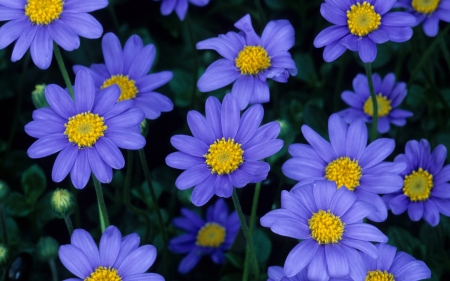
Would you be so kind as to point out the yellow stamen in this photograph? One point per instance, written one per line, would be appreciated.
(344, 172)
(128, 89)
(384, 106)
(43, 12)
(224, 156)
(362, 19)
(378, 275)
(102, 273)
(425, 6)
(85, 129)
(326, 228)
(252, 60)
(417, 185)
(211, 235)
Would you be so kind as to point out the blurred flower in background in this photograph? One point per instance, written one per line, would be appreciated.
(210, 236)
(389, 96)
(180, 6)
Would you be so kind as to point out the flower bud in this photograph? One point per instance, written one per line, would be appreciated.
(38, 96)
(144, 128)
(4, 253)
(63, 202)
(47, 248)
(4, 191)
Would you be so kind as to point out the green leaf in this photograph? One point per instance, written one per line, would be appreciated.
(263, 246)
(16, 205)
(402, 239)
(231, 277)
(305, 67)
(181, 85)
(33, 183)
(236, 260)
(316, 118)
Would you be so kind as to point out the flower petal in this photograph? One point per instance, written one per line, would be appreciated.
(219, 74)
(320, 145)
(47, 145)
(64, 162)
(112, 53)
(110, 246)
(192, 176)
(300, 256)
(64, 35)
(138, 261)
(336, 261)
(84, 241)
(84, 91)
(60, 101)
(83, 24)
(230, 117)
(75, 261)
(110, 153)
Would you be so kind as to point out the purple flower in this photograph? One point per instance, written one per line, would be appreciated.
(87, 132)
(330, 223)
(250, 60)
(35, 24)
(390, 265)
(276, 273)
(359, 26)
(347, 161)
(116, 258)
(180, 6)
(389, 95)
(210, 237)
(426, 191)
(428, 12)
(225, 149)
(128, 69)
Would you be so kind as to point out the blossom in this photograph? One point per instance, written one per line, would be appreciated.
(347, 161)
(428, 12)
(276, 273)
(426, 191)
(359, 26)
(390, 265)
(250, 60)
(86, 132)
(116, 258)
(389, 95)
(35, 24)
(180, 6)
(330, 223)
(211, 236)
(128, 69)
(225, 149)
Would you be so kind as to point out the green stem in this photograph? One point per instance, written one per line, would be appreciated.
(251, 226)
(114, 17)
(126, 194)
(62, 68)
(69, 224)
(427, 53)
(373, 133)
(53, 269)
(195, 58)
(246, 232)
(104, 220)
(157, 210)
(446, 53)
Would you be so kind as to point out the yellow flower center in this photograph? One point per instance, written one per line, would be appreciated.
(384, 106)
(252, 60)
(344, 172)
(211, 235)
(224, 156)
(85, 129)
(325, 227)
(102, 273)
(127, 86)
(43, 11)
(417, 185)
(362, 19)
(378, 275)
(425, 6)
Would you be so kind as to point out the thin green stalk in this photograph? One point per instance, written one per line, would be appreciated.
(445, 53)
(53, 269)
(427, 53)
(251, 226)
(162, 229)
(126, 194)
(195, 58)
(114, 17)
(373, 133)
(62, 68)
(69, 224)
(104, 220)
(246, 232)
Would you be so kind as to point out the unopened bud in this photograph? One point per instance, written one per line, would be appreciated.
(144, 128)
(63, 202)
(47, 248)
(4, 253)
(38, 96)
